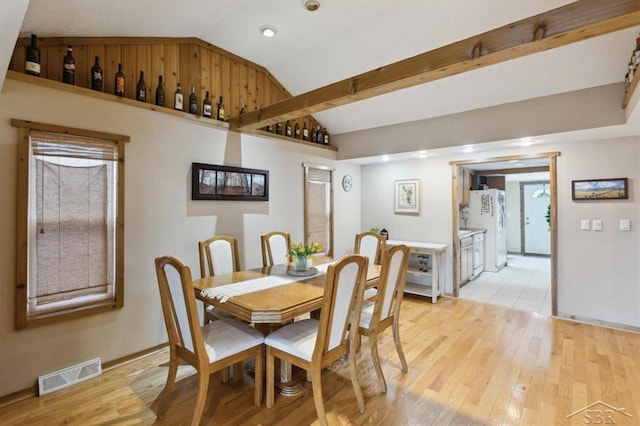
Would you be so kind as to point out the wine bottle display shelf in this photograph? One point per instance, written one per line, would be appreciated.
(148, 106)
(244, 86)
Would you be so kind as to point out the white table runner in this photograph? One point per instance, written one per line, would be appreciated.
(225, 292)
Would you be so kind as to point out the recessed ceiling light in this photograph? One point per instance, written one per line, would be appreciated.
(526, 142)
(311, 5)
(422, 154)
(268, 31)
(384, 158)
(467, 148)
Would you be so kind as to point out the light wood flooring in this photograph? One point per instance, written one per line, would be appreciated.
(469, 363)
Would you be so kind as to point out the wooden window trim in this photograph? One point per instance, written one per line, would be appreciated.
(22, 321)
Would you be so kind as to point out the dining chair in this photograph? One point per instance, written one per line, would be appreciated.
(372, 245)
(385, 311)
(218, 256)
(275, 248)
(208, 348)
(313, 344)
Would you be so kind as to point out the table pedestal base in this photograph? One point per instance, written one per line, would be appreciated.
(292, 388)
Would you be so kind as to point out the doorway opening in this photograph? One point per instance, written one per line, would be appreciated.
(481, 174)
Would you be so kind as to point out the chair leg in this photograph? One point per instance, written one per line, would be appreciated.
(258, 370)
(316, 385)
(358, 339)
(373, 348)
(168, 387)
(353, 369)
(203, 386)
(396, 340)
(270, 361)
(225, 373)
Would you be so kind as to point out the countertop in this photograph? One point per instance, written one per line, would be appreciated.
(469, 232)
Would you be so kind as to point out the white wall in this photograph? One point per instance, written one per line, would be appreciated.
(432, 224)
(598, 272)
(160, 218)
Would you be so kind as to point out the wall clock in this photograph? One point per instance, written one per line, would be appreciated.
(347, 183)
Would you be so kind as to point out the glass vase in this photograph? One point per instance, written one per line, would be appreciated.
(302, 263)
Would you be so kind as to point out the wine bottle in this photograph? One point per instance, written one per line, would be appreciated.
(296, 131)
(220, 113)
(314, 135)
(96, 76)
(320, 135)
(141, 89)
(193, 101)
(305, 132)
(178, 99)
(206, 106)
(287, 129)
(269, 128)
(160, 92)
(279, 128)
(119, 86)
(32, 63)
(325, 137)
(69, 67)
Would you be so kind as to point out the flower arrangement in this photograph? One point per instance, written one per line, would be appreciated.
(304, 250)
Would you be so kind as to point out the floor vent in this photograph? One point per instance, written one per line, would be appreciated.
(53, 381)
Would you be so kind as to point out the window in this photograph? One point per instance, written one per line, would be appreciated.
(70, 223)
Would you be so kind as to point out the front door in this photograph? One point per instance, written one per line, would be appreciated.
(536, 237)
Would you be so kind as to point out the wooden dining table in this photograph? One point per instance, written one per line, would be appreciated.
(269, 308)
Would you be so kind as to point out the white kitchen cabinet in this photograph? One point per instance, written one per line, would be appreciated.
(466, 259)
(424, 279)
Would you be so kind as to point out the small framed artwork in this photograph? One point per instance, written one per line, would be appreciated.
(599, 189)
(211, 182)
(407, 198)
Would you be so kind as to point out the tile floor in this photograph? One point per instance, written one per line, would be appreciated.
(524, 284)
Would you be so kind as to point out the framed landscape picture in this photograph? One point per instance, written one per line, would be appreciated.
(407, 199)
(599, 189)
(212, 182)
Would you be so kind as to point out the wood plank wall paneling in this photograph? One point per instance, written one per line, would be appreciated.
(188, 61)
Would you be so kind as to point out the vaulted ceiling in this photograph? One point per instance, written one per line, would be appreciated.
(345, 38)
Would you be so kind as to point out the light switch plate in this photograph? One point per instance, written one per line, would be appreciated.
(596, 224)
(625, 225)
(585, 224)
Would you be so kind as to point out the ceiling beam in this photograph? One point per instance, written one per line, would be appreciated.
(574, 22)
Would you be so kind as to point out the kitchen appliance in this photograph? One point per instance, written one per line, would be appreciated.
(487, 209)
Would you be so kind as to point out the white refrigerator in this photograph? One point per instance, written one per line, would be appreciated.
(487, 209)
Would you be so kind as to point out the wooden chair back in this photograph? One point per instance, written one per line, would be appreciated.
(371, 245)
(275, 248)
(393, 273)
(342, 302)
(179, 309)
(218, 256)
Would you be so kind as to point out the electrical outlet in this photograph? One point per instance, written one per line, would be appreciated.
(585, 224)
(596, 224)
(625, 225)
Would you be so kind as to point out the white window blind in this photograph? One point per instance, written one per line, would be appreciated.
(72, 222)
